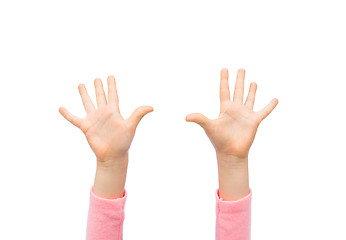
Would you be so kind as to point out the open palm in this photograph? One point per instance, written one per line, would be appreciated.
(107, 133)
(233, 132)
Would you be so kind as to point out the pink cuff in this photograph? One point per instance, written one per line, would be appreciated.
(105, 217)
(233, 218)
(99, 199)
(242, 204)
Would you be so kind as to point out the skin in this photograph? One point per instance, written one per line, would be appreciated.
(109, 136)
(233, 133)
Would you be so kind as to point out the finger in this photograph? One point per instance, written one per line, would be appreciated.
(239, 87)
(224, 88)
(138, 114)
(100, 93)
(70, 117)
(267, 109)
(112, 92)
(88, 104)
(250, 100)
(198, 118)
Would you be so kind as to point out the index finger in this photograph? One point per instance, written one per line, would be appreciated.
(112, 92)
(224, 88)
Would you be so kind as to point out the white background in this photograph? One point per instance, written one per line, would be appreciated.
(169, 55)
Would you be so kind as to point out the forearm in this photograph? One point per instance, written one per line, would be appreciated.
(107, 200)
(233, 199)
(233, 177)
(110, 178)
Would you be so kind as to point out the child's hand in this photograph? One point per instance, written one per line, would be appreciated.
(108, 134)
(232, 135)
(234, 131)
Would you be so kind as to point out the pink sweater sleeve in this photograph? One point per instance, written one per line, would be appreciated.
(105, 217)
(233, 218)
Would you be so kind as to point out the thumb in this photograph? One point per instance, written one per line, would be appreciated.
(198, 118)
(138, 114)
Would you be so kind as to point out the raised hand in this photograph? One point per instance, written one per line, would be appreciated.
(233, 132)
(107, 133)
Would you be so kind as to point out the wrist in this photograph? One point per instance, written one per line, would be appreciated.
(110, 178)
(232, 161)
(233, 177)
(119, 161)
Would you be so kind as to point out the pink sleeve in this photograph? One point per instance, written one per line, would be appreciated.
(105, 217)
(233, 218)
